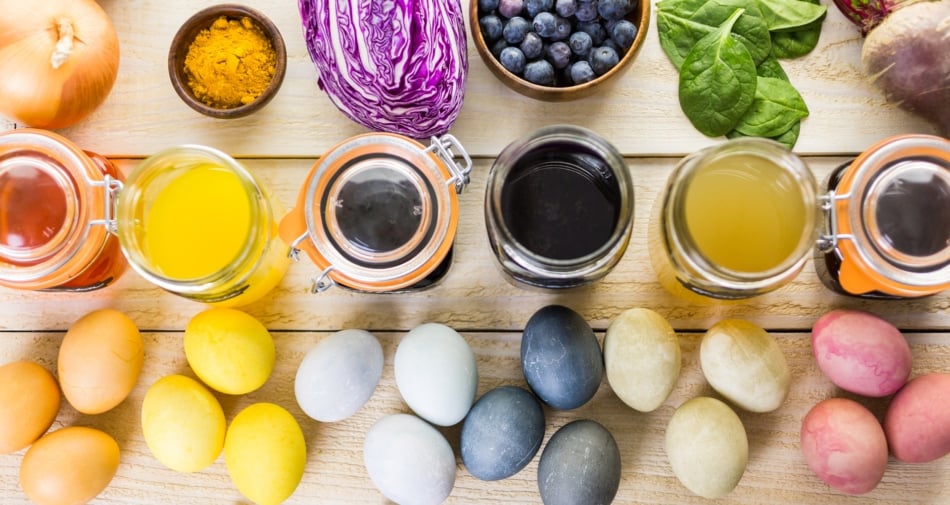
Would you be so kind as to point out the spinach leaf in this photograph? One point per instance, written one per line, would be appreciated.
(771, 68)
(789, 15)
(681, 23)
(717, 80)
(788, 139)
(777, 106)
(797, 43)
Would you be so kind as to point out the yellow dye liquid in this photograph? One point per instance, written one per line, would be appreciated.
(745, 213)
(198, 224)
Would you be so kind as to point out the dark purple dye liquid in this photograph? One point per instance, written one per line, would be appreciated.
(379, 213)
(561, 201)
(913, 213)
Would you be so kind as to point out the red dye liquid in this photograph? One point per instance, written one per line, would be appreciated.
(32, 208)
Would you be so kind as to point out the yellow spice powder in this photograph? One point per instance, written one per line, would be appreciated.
(230, 64)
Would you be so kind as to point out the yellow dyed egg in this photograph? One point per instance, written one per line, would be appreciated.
(183, 423)
(69, 466)
(265, 453)
(100, 360)
(229, 350)
(29, 402)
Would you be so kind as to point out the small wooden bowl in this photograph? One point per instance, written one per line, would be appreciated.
(640, 17)
(204, 19)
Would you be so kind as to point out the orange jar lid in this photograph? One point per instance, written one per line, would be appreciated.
(379, 211)
(892, 218)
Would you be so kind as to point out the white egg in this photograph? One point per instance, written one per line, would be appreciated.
(339, 375)
(409, 461)
(436, 373)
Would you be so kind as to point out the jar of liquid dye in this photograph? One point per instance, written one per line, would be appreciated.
(379, 212)
(195, 222)
(559, 208)
(56, 206)
(889, 221)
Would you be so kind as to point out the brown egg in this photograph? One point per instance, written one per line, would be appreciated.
(29, 402)
(100, 361)
(70, 466)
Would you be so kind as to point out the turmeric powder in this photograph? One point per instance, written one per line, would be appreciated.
(230, 64)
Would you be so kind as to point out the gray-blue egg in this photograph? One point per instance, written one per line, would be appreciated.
(502, 433)
(580, 464)
(561, 358)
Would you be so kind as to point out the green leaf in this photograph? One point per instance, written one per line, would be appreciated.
(717, 81)
(788, 139)
(797, 43)
(682, 23)
(771, 68)
(776, 108)
(789, 15)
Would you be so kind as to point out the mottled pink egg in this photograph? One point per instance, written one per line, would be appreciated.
(844, 445)
(861, 352)
(917, 422)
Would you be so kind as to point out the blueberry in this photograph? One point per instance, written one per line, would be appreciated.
(602, 59)
(613, 9)
(581, 72)
(539, 72)
(623, 33)
(545, 24)
(559, 54)
(510, 8)
(613, 45)
(487, 5)
(497, 48)
(580, 43)
(535, 7)
(596, 31)
(565, 8)
(491, 27)
(515, 29)
(532, 45)
(586, 12)
(562, 28)
(512, 59)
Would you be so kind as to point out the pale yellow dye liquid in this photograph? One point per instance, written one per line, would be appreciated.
(745, 213)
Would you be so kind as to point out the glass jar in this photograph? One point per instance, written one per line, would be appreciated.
(559, 208)
(736, 220)
(195, 222)
(55, 214)
(379, 212)
(889, 221)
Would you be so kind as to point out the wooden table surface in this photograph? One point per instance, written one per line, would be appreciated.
(638, 113)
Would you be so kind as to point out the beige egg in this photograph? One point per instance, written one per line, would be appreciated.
(100, 361)
(642, 357)
(29, 402)
(69, 466)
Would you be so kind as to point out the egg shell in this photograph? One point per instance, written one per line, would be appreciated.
(265, 453)
(436, 373)
(861, 353)
(69, 466)
(339, 375)
(409, 461)
(182, 423)
(844, 445)
(100, 361)
(743, 363)
(502, 433)
(707, 447)
(917, 422)
(229, 350)
(580, 464)
(642, 358)
(561, 358)
(29, 397)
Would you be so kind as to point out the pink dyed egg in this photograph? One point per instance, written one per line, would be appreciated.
(861, 352)
(844, 445)
(917, 422)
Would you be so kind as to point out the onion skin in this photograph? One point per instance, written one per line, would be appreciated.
(36, 94)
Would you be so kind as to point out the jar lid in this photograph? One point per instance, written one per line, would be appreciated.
(52, 199)
(379, 211)
(893, 218)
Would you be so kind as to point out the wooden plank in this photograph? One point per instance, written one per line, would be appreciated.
(335, 473)
(639, 112)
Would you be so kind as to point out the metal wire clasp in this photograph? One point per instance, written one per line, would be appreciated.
(449, 149)
(828, 239)
(111, 187)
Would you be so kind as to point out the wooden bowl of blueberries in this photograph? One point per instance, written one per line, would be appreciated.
(558, 50)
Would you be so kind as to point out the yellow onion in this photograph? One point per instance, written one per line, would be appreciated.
(58, 61)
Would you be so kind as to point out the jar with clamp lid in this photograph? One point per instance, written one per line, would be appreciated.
(379, 212)
(56, 207)
(889, 221)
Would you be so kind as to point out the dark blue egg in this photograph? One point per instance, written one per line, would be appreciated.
(580, 464)
(502, 433)
(561, 358)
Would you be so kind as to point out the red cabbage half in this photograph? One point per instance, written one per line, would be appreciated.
(396, 66)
